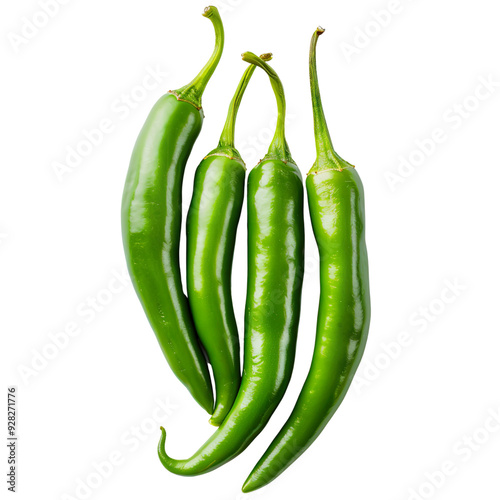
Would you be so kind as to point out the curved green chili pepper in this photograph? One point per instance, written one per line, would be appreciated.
(336, 205)
(151, 222)
(275, 271)
(212, 221)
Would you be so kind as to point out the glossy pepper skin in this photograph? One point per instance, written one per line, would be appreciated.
(151, 222)
(336, 206)
(275, 272)
(212, 222)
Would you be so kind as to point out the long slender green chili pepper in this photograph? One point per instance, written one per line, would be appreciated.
(151, 222)
(336, 205)
(212, 221)
(275, 271)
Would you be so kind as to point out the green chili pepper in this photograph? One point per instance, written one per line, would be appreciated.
(275, 271)
(336, 205)
(212, 221)
(151, 222)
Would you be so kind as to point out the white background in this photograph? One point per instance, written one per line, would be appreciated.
(60, 243)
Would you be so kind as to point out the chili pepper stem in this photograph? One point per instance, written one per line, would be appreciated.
(227, 136)
(279, 147)
(193, 91)
(325, 153)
